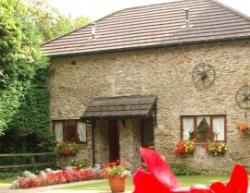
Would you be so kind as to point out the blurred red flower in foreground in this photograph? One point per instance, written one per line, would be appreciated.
(160, 179)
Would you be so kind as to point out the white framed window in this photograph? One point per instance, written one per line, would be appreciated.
(70, 131)
(188, 127)
(219, 128)
(216, 123)
(82, 132)
(58, 129)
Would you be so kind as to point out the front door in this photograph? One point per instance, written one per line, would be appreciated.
(114, 147)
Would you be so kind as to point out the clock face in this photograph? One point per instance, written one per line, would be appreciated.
(203, 75)
(243, 97)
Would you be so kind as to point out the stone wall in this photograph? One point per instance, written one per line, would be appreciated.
(85, 152)
(101, 142)
(130, 142)
(165, 72)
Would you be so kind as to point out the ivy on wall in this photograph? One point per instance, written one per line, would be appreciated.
(24, 71)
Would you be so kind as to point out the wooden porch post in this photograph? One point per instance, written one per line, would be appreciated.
(93, 142)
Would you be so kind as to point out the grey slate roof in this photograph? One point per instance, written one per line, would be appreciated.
(154, 25)
(120, 107)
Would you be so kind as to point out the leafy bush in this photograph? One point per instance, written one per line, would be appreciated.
(184, 170)
(80, 164)
(8, 174)
(15, 172)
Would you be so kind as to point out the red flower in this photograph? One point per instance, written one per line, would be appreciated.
(237, 184)
(180, 149)
(160, 179)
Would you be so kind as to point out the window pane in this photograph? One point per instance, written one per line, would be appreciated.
(70, 131)
(81, 129)
(58, 130)
(219, 128)
(188, 127)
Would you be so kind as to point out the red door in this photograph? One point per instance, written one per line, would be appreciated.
(114, 147)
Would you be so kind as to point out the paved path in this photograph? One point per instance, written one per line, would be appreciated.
(54, 189)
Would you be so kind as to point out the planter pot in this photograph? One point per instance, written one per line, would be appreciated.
(117, 183)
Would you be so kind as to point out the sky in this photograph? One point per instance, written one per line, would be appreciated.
(96, 9)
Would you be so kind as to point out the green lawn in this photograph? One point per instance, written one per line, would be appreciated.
(184, 180)
(7, 181)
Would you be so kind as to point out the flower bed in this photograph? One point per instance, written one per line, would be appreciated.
(49, 177)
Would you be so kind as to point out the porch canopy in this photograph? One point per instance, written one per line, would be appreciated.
(121, 107)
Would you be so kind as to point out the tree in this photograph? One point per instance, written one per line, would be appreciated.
(24, 71)
(24, 104)
(50, 22)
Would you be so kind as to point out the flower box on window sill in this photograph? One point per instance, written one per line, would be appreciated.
(67, 149)
(185, 148)
(67, 153)
(216, 148)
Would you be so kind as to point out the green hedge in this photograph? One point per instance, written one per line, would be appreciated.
(184, 170)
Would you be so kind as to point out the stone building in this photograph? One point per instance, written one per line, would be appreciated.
(147, 76)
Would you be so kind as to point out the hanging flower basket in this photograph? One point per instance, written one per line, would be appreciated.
(243, 128)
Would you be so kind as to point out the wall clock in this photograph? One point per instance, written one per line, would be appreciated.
(203, 75)
(243, 97)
